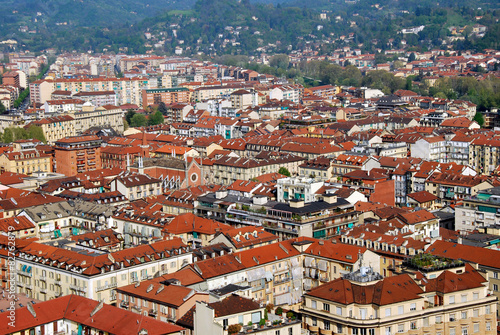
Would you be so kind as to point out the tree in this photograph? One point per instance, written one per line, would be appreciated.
(412, 57)
(479, 118)
(162, 108)
(284, 171)
(130, 114)
(138, 120)
(125, 125)
(156, 118)
(36, 132)
(3, 110)
(280, 61)
(8, 136)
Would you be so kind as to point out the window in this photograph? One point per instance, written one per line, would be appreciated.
(401, 310)
(464, 315)
(326, 307)
(413, 325)
(476, 328)
(339, 328)
(401, 328)
(290, 331)
(495, 274)
(313, 304)
(452, 299)
(475, 313)
(413, 307)
(452, 317)
(464, 297)
(487, 310)
(465, 330)
(339, 310)
(388, 331)
(326, 325)
(439, 319)
(314, 321)
(488, 326)
(277, 332)
(225, 323)
(452, 331)
(495, 287)
(387, 312)
(475, 296)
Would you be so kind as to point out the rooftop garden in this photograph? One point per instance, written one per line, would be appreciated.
(428, 262)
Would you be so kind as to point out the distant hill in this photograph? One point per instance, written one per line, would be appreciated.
(236, 26)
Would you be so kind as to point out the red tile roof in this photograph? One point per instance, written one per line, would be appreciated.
(79, 309)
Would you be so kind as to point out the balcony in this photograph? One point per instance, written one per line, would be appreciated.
(77, 288)
(105, 287)
(43, 278)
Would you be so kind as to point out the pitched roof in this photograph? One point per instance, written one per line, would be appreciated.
(481, 256)
(80, 310)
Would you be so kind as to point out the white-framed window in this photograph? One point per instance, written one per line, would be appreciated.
(452, 299)
(339, 310)
(401, 310)
(476, 328)
(465, 330)
(387, 312)
(464, 297)
(401, 328)
(452, 331)
(413, 307)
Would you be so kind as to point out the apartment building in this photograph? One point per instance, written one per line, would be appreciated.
(137, 186)
(228, 169)
(168, 96)
(104, 116)
(45, 272)
(25, 161)
(279, 273)
(163, 300)
(73, 314)
(486, 259)
(481, 210)
(78, 154)
(98, 98)
(128, 90)
(455, 301)
(56, 127)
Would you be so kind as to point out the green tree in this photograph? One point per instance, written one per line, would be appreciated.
(125, 125)
(284, 171)
(479, 118)
(138, 120)
(280, 61)
(3, 110)
(155, 118)
(162, 108)
(129, 115)
(8, 136)
(36, 132)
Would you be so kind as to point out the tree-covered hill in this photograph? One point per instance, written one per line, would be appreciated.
(216, 27)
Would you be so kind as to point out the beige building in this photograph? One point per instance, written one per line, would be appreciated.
(105, 116)
(128, 90)
(227, 170)
(45, 272)
(57, 127)
(451, 302)
(25, 162)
